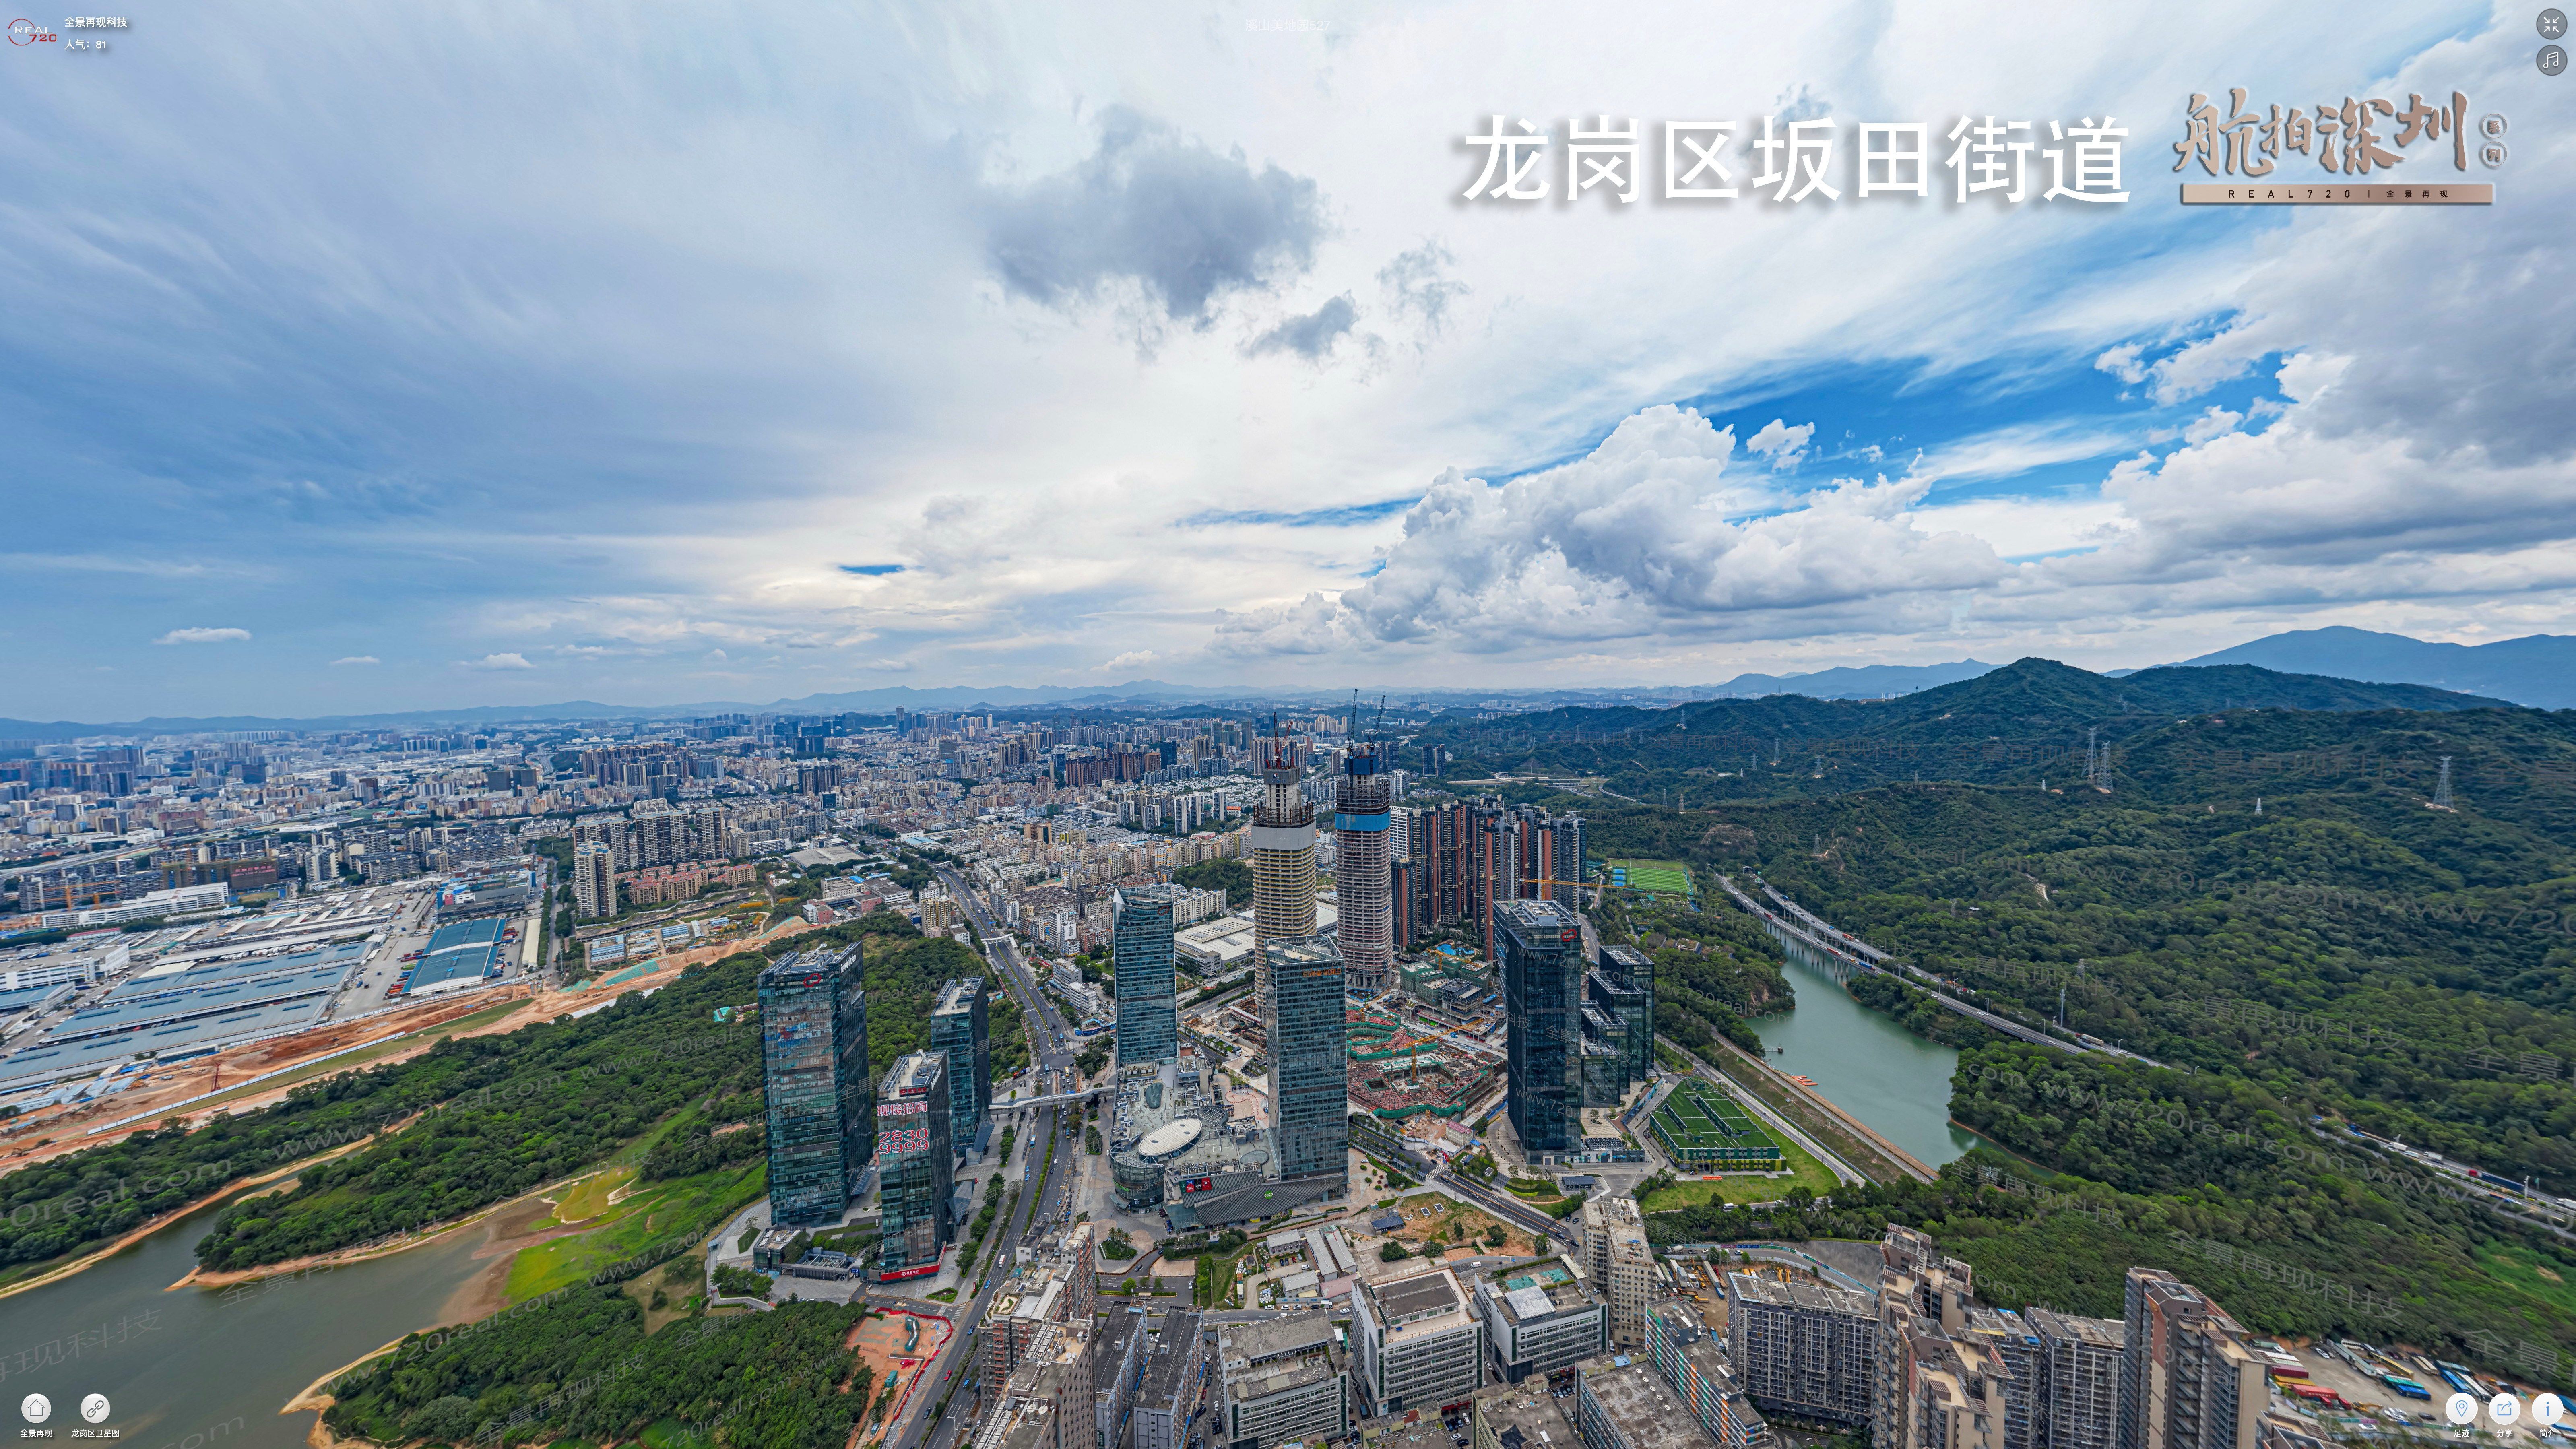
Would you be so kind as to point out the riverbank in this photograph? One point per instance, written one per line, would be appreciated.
(369, 1252)
(1867, 1067)
(145, 1230)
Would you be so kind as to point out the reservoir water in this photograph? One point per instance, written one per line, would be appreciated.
(177, 1364)
(1865, 1063)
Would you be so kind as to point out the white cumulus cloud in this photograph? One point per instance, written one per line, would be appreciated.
(356, 659)
(202, 636)
(496, 662)
(1645, 536)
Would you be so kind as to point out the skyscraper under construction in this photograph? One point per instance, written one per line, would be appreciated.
(1283, 857)
(1362, 868)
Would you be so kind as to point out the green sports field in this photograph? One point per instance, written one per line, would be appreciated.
(1662, 877)
(1698, 1125)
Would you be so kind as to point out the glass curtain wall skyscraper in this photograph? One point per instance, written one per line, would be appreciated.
(918, 1158)
(1540, 946)
(1363, 883)
(1140, 956)
(958, 1027)
(814, 1069)
(1309, 1070)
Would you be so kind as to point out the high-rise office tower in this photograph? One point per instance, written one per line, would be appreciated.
(814, 1070)
(1309, 1070)
(958, 1027)
(1140, 955)
(594, 879)
(1283, 856)
(1624, 987)
(2187, 1380)
(1539, 947)
(916, 1159)
(1363, 881)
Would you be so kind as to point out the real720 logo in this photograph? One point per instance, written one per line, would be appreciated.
(27, 32)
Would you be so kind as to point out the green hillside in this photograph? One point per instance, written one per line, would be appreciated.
(2259, 894)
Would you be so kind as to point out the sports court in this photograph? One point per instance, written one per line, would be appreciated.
(1699, 1126)
(1660, 877)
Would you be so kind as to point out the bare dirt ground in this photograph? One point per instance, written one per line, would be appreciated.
(60, 1130)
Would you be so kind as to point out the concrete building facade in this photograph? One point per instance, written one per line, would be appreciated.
(2079, 1379)
(1679, 1346)
(1541, 1317)
(1806, 1349)
(1285, 1380)
(1416, 1341)
(1363, 867)
(1622, 1265)
(2187, 1379)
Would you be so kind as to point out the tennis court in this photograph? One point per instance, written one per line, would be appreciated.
(1663, 877)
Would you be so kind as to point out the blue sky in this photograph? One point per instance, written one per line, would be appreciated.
(389, 361)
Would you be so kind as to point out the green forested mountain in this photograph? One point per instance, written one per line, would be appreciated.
(2263, 897)
(2030, 718)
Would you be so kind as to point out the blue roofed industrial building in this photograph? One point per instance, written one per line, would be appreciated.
(460, 956)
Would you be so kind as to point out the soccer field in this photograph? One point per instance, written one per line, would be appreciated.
(1663, 877)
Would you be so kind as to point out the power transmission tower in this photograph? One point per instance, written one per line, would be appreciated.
(2442, 788)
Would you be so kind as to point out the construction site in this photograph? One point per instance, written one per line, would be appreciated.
(1399, 1072)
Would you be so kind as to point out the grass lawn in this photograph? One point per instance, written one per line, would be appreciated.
(588, 1198)
(1806, 1172)
(648, 1215)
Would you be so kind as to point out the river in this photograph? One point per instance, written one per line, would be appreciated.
(176, 1365)
(1865, 1063)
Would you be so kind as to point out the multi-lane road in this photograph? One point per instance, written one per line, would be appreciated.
(1042, 1200)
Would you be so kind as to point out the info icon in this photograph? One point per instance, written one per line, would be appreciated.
(37, 1408)
(2461, 1409)
(2547, 1410)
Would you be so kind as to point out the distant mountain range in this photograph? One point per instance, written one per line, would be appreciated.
(2016, 702)
(1864, 681)
(2538, 669)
